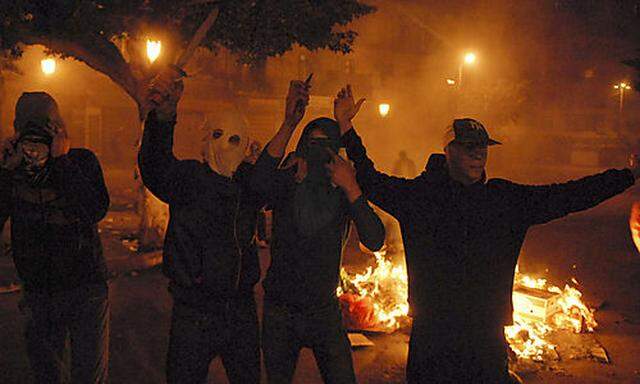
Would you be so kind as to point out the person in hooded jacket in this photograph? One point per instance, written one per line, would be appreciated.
(314, 198)
(210, 256)
(55, 196)
(462, 235)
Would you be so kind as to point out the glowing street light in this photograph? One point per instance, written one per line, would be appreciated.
(622, 86)
(451, 82)
(154, 47)
(469, 59)
(48, 66)
(383, 109)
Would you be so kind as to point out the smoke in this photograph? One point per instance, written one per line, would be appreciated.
(541, 83)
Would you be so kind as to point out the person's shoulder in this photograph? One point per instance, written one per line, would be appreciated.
(81, 154)
(499, 183)
(193, 167)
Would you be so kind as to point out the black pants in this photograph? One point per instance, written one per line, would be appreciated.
(198, 336)
(71, 325)
(286, 332)
(435, 358)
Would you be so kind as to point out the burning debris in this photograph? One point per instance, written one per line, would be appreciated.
(540, 308)
(376, 300)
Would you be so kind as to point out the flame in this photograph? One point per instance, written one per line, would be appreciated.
(385, 286)
(526, 337)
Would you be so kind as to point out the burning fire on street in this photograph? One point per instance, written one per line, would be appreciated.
(376, 300)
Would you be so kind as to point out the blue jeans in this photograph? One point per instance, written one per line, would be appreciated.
(71, 325)
(286, 331)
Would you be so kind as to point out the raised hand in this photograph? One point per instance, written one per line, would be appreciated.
(11, 153)
(345, 109)
(297, 101)
(163, 93)
(60, 144)
(343, 175)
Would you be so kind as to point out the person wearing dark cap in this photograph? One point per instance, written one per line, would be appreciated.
(462, 235)
(314, 197)
(55, 196)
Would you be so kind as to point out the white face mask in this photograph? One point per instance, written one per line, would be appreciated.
(226, 142)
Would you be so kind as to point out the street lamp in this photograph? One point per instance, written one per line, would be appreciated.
(48, 66)
(451, 82)
(469, 59)
(383, 109)
(154, 47)
(622, 86)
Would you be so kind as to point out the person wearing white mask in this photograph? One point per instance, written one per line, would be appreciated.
(210, 256)
(226, 141)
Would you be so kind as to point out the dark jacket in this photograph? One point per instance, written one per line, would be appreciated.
(54, 234)
(462, 242)
(209, 249)
(305, 270)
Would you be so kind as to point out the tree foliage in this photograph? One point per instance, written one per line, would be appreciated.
(90, 31)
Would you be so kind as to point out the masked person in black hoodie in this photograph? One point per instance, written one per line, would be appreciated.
(314, 198)
(210, 255)
(55, 197)
(462, 235)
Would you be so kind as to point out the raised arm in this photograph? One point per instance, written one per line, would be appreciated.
(540, 204)
(266, 178)
(388, 192)
(162, 173)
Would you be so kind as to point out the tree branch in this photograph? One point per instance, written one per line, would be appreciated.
(99, 54)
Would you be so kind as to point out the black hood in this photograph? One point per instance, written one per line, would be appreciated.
(330, 128)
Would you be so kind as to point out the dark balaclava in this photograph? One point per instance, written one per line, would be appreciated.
(317, 202)
(35, 114)
(315, 151)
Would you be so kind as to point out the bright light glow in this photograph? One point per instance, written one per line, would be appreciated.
(48, 66)
(153, 49)
(622, 85)
(383, 109)
(470, 58)
(451, 82)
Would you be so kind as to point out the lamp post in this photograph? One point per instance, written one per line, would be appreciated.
(621, 87)
(154, 48)
(469, 58)
(48, 66)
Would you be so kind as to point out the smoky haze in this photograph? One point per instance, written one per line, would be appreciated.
(542, 83)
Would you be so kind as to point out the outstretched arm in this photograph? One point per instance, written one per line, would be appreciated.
(388, 192)
(540, 204)
(265, 178)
